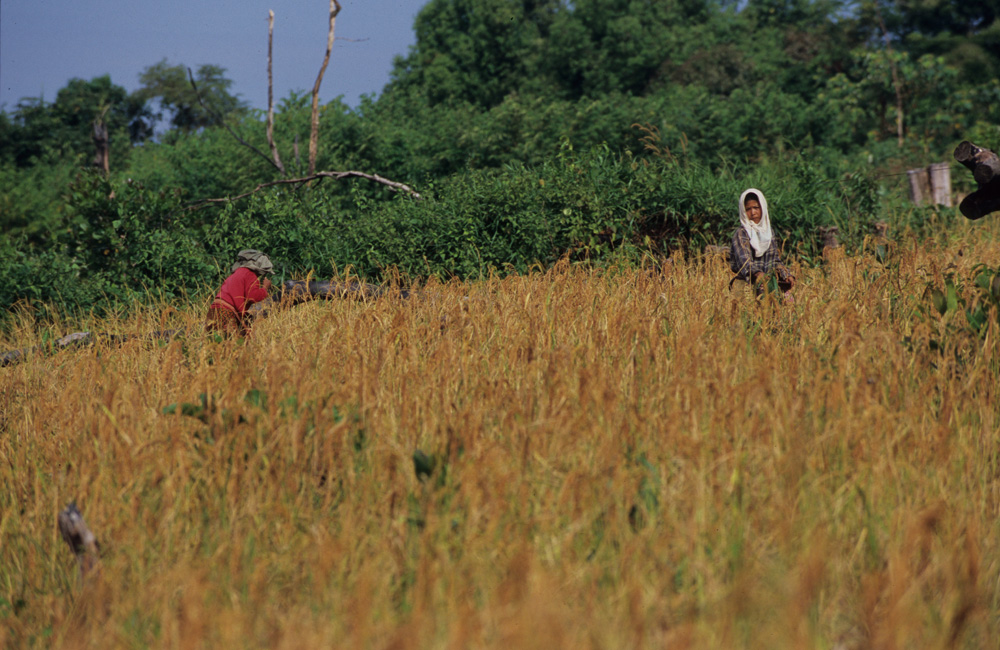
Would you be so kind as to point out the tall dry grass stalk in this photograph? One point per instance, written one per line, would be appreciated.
(630, 459)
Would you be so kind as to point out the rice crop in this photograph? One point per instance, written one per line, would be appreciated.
(574, 458)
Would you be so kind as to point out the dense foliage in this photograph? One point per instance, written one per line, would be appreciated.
(533, 129)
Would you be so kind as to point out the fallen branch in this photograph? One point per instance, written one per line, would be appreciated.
(81, 540)
(392, 185)
(220, 120)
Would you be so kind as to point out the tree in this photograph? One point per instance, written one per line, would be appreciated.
(64, 127)
(170, 87)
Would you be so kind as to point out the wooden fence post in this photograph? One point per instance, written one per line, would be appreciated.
(930, 185)
(81, 540)
(920, 186)
(940, 175)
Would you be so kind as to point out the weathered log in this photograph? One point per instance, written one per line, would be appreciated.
(983, 163)
(81, 540)
(985, 167)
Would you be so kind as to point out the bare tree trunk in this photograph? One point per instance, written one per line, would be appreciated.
(895, 79)
(102, 141)
(314, 127)
(270, 96)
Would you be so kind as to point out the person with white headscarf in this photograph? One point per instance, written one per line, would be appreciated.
(754, 253)
(242, 288)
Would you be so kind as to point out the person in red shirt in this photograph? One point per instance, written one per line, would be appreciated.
(248, 283)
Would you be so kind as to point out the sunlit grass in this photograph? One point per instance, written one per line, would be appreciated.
(630, 458)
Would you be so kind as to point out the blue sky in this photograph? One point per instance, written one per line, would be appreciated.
(45, 43)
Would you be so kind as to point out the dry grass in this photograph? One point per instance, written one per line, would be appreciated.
(633, 459)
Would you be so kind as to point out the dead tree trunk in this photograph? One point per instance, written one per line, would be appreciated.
(314, 123)
(270, 97)
(985, 168)
(896, 85)
(101, 145)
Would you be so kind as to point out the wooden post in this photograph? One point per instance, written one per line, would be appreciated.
(940, 177)
(81, 541)
(920, 186)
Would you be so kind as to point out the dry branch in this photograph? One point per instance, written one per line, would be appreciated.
(392, 185)
(314, 123)
(270, 96)
(221, 121)
(81, 540)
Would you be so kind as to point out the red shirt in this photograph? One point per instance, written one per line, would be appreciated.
(241, 289)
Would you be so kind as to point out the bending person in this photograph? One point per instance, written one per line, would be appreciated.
(247, 284)
(753, 254)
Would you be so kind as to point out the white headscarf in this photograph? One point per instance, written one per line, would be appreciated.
(760, 233)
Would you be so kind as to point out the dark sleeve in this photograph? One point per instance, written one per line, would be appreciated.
(772, 261)
(741, 255)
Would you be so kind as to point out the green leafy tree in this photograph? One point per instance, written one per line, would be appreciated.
(37, 129)
(170, 86)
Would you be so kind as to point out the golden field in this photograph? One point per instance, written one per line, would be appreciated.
(624, 458)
